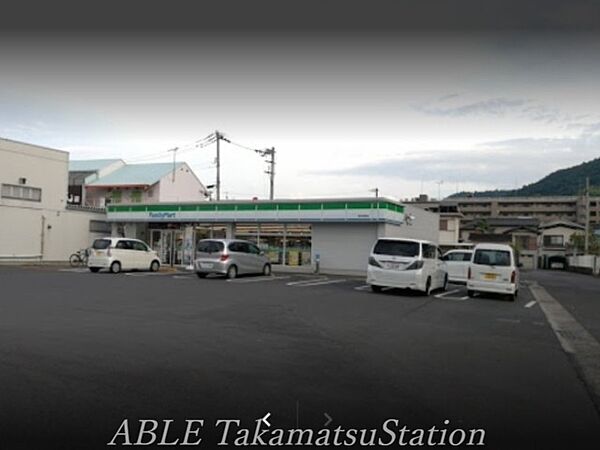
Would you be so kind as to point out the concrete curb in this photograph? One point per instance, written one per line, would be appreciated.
(576, 341)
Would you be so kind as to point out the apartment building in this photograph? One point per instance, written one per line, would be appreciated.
(546, 209)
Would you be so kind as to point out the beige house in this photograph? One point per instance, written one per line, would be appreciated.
(554, 241)
(449, 219)
(104, 182)
(521, 233)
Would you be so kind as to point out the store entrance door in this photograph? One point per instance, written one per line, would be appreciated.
(169, 246)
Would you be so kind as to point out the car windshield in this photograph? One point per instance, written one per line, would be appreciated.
(396, 248)
(101, 244)
(210, 247)
(492, 257)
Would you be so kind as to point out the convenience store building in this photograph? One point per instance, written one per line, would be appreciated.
(338, 233)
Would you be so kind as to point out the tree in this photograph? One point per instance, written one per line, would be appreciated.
(482, 226)
(577, 242)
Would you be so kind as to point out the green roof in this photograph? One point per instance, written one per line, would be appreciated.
(136, 174)
(90, 165)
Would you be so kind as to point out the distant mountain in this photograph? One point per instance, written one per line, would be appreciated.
(570, 181)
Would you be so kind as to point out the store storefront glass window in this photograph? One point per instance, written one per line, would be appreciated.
(248, 232)
(271, 241)
(298, 245)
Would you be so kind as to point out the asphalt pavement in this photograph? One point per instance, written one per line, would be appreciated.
(79, 352)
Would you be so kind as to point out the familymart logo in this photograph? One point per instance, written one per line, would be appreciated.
(162, 215)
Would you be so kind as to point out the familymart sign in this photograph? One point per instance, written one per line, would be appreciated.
(262, 211)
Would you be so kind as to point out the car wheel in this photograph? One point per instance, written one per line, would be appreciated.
(155, 266)
(267, 270)
(115, 267)
(427, 290)
(470, 293)
(375, 288)
(94, 269)
(232, 272)
(512, 297)
(201, 275)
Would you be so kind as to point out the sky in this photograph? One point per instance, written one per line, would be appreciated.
(407, 113)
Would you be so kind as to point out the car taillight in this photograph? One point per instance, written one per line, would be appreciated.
(469, 274)
(224, 257)
(415, 266)
(513, 276)
(373, 262)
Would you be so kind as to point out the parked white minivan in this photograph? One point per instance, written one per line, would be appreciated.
(493, 268)
(117, 254)
(406, 263)
(457, 264)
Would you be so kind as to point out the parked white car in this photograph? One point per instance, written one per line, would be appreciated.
(117, 254)
(493, 268)
(457, 264)
(406, 263)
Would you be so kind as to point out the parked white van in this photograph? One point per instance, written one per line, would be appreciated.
(493, 268)
(457, 265)
(116, 254)
(406, 263)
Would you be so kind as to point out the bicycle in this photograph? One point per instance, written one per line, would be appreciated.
(79, 258)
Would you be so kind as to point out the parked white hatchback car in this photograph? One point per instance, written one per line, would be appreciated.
(406, 263)
(457, 264)
(117, 254)
(493, 268)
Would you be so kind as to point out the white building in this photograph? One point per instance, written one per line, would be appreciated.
(35, 220)
(450, 219)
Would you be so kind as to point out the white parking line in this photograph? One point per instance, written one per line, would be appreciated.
(80, 270)
(148, 274)
(443, 294)
(257, 280)
(530, 304)
(455, 299)
(363, 288)
(294, 283)
(502, 319)
(319, 283)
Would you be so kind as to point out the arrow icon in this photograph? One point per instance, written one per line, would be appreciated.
(329, 419)
(265, 421)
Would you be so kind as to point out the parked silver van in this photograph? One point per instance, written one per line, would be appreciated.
(230, 257)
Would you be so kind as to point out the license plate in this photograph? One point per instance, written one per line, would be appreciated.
(206, 265)
(489, 276)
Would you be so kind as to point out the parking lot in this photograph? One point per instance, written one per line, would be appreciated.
(79, 352)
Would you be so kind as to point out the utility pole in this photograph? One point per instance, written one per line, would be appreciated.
(174, 150)
(271, 170)
(218, 163)
(439, 183)
(587, 215)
